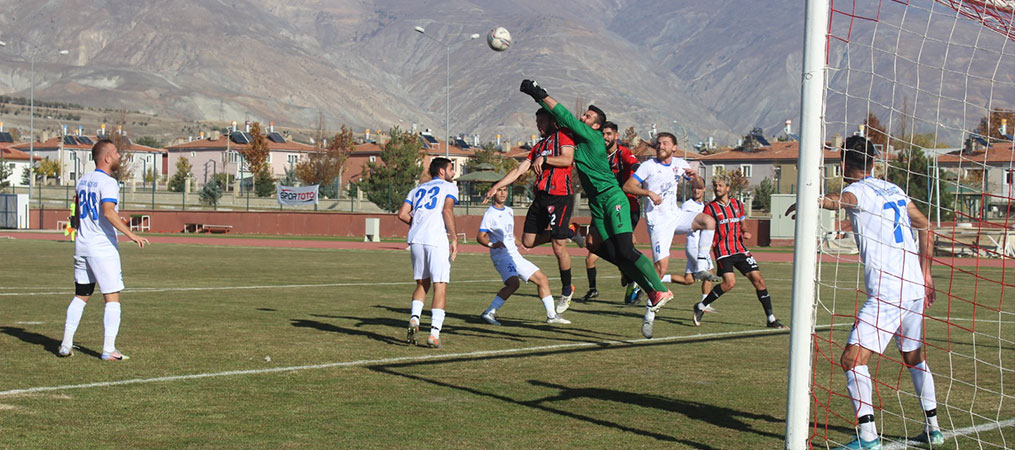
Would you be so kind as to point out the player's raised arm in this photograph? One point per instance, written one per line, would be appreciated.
(109, 212)
(508, 179)
(562, 116)
(565, 159)
(920, 223)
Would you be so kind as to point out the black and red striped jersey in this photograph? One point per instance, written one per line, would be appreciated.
(553, 180)
(729, 229)
(623, 163)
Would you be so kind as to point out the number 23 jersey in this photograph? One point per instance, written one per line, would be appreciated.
(427, 201)
(885, 239)
(96, 236)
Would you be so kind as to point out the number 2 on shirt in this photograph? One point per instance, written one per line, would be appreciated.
(432, 200)
(897, 230)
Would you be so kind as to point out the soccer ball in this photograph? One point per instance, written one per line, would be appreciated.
(499, 39)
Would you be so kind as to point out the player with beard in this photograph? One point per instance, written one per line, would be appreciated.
(96, 254)
(611, 230)
(551, 161)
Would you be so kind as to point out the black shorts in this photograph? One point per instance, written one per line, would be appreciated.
(549, 210)
(743, 262)
(635, 216)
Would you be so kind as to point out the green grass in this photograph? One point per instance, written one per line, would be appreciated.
(193, 309)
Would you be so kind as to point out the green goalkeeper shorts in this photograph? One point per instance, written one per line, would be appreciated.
(611, 213)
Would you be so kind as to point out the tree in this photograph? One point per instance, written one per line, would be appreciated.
(211, 192)
(910, 171)
(264, 183)
(489, 154)
(989, 125)
(875, 132)
(179, 179)
(49, 168)
(738, 182)
(256, 156)
(388, 181)
(5, 172)
(322, 168)
(149, 141)
(763, 194)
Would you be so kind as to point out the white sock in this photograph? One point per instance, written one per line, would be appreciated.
(111, 322)
(436, 320)
(495, 304)
(705, 244)
(416, 309)
(859, 388)
(700, 305)
(667, 278)
(74, 311)
(703, 297)
(770, 317)
(548, 304)
(924, 385)
(650, 315)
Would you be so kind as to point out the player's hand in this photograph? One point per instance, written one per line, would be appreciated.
(498, 244)
(690, 173)
(487, 197)
(142, 242)
(746, 234)
(538, 165)
(530, 88)
(455, 250)
(655, 198)
(929, 290)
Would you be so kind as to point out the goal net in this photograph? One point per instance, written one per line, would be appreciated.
(931, 84)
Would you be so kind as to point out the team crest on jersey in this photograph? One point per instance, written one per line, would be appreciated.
(550, 209)
(617, 207)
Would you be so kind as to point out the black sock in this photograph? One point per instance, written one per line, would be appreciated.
(763, 298)
(566, 281)
(591, 275)
(713, 295)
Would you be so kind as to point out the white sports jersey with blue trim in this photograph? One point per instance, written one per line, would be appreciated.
(661, 179)
(96, 236)
(885, 239)
(428, 200)
(499, 224)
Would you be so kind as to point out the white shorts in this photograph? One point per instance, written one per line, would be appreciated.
(877, 322)
(513, 265)
(661, 233)
(104, 270)
(431, 261)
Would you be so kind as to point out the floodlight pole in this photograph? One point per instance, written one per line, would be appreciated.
(448, 82)
(806, 226)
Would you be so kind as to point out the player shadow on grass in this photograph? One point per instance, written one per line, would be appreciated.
(583, 334)
(304, 323)
(47, 343)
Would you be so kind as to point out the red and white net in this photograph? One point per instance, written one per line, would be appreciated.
(931, 83)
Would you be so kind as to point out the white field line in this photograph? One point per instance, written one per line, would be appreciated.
(374, 362)
(951, 434)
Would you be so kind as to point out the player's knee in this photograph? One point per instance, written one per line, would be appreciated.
(728, 284)
(84, 290)
(512, 284)
(913, 357)
(853, 356)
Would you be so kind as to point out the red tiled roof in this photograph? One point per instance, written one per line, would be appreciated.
(221, 144)
(437, 150)
(999, 152)
(778, 151)
(54, 143)
(15, 154)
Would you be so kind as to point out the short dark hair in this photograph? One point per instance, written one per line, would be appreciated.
(673, 139)
(601, 117)
(858, 153)
(437, 164)
(609, 124)
(542, 112)
(97, 148)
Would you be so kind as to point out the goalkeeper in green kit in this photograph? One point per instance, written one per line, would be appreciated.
(611, 225)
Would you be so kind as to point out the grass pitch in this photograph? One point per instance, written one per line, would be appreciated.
(257, 347)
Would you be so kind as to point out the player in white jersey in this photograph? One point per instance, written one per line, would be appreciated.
(429, 212)
(897, 279)
(96, 256)
(497, 231)
(658, 179)
(693, 205)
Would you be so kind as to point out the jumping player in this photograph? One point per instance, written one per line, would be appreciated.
(730, 252)
(497, 233)
(623, 163)
(610, 237)
(429, 211)
(551, 162)
(96, 254)
(897, 279)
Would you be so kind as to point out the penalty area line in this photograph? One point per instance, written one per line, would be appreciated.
(375, 362)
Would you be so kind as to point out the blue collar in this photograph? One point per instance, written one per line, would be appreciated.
(100, 170)
(661, 162)
(499, 209)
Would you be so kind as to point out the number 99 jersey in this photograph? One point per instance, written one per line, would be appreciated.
(96, 236)
(427, 201)
(885, 239)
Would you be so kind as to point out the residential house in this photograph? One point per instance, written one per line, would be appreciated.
(17, 161)
(222, 154)
(371, 152)
(74, 152)
(989, 166)
(777, 161)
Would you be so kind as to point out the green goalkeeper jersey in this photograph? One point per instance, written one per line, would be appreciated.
(590, 153)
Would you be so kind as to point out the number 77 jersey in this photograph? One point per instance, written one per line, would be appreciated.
(427, 201)
(96, 236)
(885, 239)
